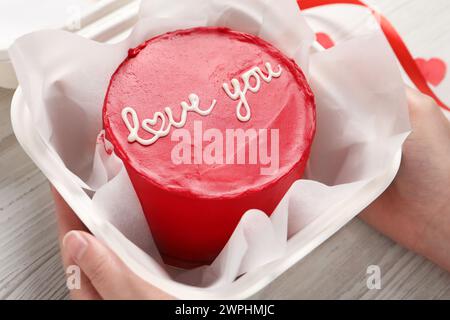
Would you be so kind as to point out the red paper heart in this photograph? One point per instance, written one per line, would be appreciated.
(324, 40)
(433, 70)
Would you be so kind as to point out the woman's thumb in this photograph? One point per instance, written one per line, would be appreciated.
(108, 274)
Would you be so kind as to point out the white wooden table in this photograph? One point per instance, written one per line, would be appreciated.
(30, 265)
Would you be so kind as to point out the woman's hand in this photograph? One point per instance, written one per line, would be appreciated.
(415, 210)
(103, 274)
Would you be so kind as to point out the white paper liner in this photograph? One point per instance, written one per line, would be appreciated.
(362, 121)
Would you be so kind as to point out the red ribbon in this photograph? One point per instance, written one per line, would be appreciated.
(401, 51)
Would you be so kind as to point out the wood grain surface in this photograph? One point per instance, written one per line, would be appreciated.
(30, 266)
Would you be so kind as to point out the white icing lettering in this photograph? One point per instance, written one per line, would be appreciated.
(166, 119)
(162, 121)
(238, 93)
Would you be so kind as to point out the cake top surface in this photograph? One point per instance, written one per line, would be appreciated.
(209, 111)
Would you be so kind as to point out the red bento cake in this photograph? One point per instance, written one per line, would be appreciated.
(209, 123)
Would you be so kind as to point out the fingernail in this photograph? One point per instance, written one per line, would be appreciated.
(75, 244)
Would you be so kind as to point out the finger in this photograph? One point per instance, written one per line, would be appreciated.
(67, 221)
(430, 130)
(85, 290)
(66, 218)
(424, 111)
(108, 274)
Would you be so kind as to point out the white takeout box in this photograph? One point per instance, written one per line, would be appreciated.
(101, 20)
(298, 246)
